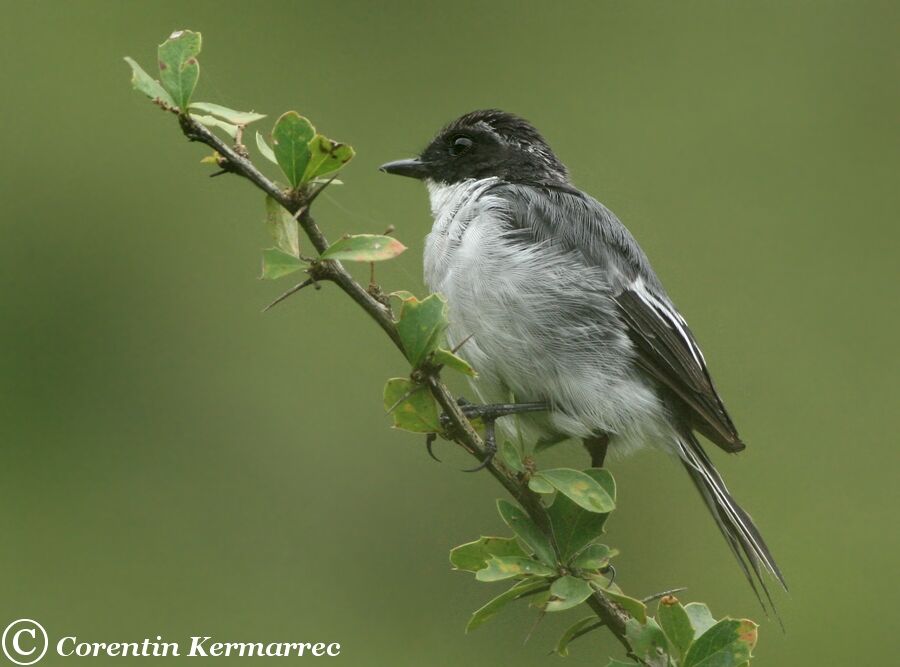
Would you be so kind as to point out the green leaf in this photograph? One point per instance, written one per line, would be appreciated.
(634, 607)
(580, 487)
(511, 456)
(290, 141)
(567, 592)
(411, 406)
(574, 527)
(421, 326)
(178, 66)
(282, 227)
(701, 617)
(676, 623)
(648, 642)
(474, 556)
(144, 83)
(620, 663)
(507, 567)
(265, 149)
(540, 485)
(212, 121)
(726, 644)
(493, 607)
(593, 557)
(450, 360)
(364, 248)
(232, 116)
(277, 263)
(576, 630)
(527, 531)
(326, 156)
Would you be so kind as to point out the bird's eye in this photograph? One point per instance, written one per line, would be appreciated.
(460, 145)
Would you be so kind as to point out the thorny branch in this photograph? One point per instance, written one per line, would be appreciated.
(461, 430)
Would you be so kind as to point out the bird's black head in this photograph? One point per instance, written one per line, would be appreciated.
(482, 144)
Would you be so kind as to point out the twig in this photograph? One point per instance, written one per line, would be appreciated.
(297, 203)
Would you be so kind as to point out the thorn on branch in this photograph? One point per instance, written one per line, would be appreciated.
(296, 288)
(662, 594)
(463, 342)
(315, 193)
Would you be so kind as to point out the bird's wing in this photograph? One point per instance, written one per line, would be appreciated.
(665, 347)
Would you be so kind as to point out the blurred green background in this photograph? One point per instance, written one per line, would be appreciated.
(173, 462)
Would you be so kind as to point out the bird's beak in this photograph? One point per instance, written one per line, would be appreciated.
(414, 168)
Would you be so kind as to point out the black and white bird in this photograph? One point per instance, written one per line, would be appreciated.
(557, 303)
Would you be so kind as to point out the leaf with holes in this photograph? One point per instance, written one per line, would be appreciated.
(178, 66)
(290, 143)
(143, 82)
(277, 264)
(421, 326)
(411, 406)
(364, 248)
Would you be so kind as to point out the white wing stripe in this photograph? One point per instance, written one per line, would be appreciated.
(670, 316)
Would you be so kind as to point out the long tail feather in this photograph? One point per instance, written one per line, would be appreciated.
(736, 525)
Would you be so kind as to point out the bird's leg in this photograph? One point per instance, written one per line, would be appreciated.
(493, 411)
(488, 414)
(596, 447)
(490, 446)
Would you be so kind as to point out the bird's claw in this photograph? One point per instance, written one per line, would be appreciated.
(606, 570)
(429, 444)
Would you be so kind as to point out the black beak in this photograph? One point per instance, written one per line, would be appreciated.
(414, 168)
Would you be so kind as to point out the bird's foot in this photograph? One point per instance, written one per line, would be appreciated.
(488, 414)
(490, 447)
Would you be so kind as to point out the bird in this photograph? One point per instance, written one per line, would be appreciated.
(553, 301)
